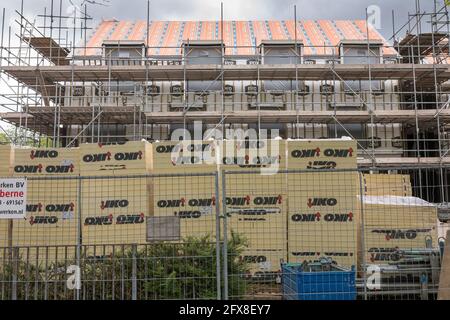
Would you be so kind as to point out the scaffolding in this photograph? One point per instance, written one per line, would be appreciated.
(62, 91)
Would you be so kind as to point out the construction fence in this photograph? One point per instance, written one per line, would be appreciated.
(224, 235)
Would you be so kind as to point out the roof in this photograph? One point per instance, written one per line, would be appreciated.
(165, 38)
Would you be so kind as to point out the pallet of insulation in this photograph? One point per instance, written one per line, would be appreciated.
(322, 217)
(394, 222)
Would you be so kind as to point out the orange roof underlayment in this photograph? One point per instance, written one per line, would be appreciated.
(320, 37)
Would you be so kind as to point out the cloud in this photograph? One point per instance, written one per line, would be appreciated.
(239, 9)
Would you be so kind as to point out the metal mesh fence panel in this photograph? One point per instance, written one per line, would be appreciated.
(293, 234)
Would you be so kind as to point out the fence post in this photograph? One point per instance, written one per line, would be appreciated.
(133, 273)
(79, 238)
(217, 196)
(15, 257)
(363, 243)
(225, 237)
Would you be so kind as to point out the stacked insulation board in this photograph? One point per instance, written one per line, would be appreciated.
(301, 215)
(322, 217)
(52, 205)
(183, 199)
(395, 222)
(387, 184)
(321, 154)
(6, 160)
(115, 192)
(256, 201)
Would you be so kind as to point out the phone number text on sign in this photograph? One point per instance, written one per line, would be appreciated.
(13, 198)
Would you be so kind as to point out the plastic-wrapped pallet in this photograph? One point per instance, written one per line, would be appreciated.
(394, 222)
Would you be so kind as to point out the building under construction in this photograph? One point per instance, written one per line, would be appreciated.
(308, 79)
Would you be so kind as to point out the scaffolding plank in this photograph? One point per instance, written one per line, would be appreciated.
(315, 72)
(49, 49)
(396, 162)
(288, 116)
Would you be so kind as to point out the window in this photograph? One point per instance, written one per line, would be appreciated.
(352, 87)
(327, 89)
(361, 55)
(356, 131)
(124, 54)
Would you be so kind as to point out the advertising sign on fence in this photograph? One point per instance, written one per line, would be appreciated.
(13, 198)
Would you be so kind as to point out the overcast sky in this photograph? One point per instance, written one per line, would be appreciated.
(235, 9)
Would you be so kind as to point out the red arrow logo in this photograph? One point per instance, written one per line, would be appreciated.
(318, 151)
(280, 198)
(350, 216)
(350, 151)
(318, 215)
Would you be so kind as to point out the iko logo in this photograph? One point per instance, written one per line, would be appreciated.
(338, 254)
(254, 259)
(401, 234)
(331, 153)
(188, 214)
(99, 221)
(321, 165)
(111, 204)
(43, 220)
(384, 254)
(130, 219)
(45, 154)
(316, 217)
(305, 254)
(321, 202)
(254, 212)
(250, 145)
(246, 162)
